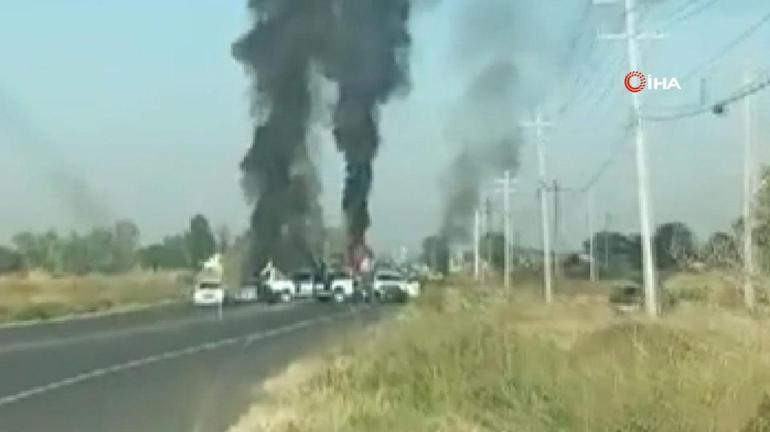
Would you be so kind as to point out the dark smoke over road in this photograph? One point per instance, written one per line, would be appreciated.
(359, 45)
(368, 62)
(278, 52)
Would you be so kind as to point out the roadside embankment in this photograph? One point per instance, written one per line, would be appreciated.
(472, 359)
(36, 296)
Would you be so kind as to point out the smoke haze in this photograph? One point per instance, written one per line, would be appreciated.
(75, 195)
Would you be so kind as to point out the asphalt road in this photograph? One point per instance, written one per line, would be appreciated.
(171, 369)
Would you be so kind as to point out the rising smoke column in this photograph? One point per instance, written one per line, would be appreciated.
(368, 62)
(491, 145)
(362, 47)
(277, 171)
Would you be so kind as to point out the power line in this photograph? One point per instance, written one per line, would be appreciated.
(697, 9)
(617, 146)
(610, 77)
(729, 47)
(581, 77)
(716, 108)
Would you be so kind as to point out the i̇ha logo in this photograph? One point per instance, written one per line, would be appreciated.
(635, 82)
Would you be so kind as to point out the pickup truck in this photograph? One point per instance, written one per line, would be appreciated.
(338, 287)
(389, 285)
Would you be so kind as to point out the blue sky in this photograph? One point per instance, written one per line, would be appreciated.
(142, 101)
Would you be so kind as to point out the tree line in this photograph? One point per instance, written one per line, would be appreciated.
(675, 245)
(112, 250)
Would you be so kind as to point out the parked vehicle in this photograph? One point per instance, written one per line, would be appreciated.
(248, 293)
(307, 283)
(389, 285)
(275, 286)
(339, 287)
(209, 293)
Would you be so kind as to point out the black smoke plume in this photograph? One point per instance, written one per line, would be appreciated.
(484, 121)
(369, 63)
(359, 45)
(277, 172)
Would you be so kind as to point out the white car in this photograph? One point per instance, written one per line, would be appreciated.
(340, 287)
(209, 293)
(392, 285)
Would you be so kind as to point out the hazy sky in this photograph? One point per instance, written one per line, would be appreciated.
(136, 109)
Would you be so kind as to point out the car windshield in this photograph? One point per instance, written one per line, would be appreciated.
(209, 286)
(389, 277)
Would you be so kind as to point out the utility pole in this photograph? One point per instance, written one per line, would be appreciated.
(606, 240)
(748, 219)
(476, 243)
(540, 125)
(556, 233)
(507, 229)
(591, 247)
(632, 37)
(485, 230)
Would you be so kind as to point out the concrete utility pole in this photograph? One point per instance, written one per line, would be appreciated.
(507, 189)
(485, 210)
(748, 217)
(507, 230)
(540, 125)
(606, 240)
(632, 37)
(591, 246)
(556, 230)
(476, 244)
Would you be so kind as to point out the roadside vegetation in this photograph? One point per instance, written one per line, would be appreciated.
(467, 358)
(49, 274)
(39, 296)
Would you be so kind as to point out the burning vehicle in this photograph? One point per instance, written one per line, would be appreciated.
(337, 285)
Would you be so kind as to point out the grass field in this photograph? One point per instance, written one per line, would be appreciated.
(39, 296)
(471, 359)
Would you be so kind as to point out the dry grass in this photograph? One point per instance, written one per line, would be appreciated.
(39, 296)
(463, 360)
(720, 289)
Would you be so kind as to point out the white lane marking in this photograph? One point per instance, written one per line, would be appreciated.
(111, 334)
(133, 364)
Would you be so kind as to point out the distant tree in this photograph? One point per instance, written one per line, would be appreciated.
(171, 253)
(761, 231)
(674, 245)
(78, 252)
(200, 240)
(27, 245)
(152, 257)
(10, 260)
(616, 254)
(721, 250)
(40, 251)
